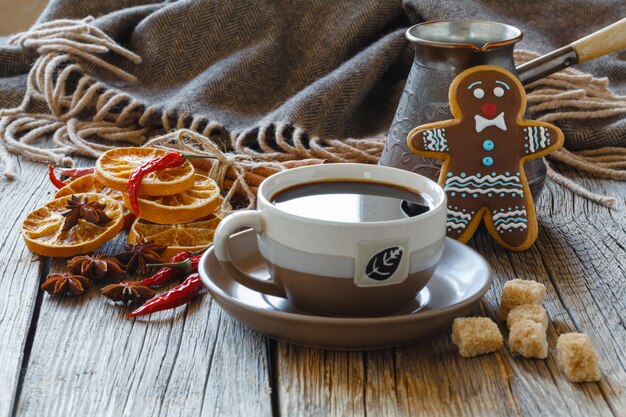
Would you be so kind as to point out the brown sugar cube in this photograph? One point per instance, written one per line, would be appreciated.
(517, 292)
(528, 338)
(531, 312)
(475, 336)
(577, 358)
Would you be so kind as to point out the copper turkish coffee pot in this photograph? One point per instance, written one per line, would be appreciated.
(445, 48)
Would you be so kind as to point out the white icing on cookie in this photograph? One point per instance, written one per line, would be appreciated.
(482, 123)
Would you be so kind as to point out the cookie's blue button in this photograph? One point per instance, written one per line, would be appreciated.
(488, 145)
(487, 161)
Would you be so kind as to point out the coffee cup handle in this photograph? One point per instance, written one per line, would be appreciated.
(227, 227)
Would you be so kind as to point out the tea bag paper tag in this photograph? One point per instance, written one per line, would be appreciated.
(380, 263)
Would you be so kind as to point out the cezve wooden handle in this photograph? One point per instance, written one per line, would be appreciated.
(610, 39)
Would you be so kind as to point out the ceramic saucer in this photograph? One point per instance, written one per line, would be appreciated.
(459, 282)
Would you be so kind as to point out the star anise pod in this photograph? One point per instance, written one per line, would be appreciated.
(95, 266)
(128, 292)
(79, 208)
(137, 256)
(65, 284)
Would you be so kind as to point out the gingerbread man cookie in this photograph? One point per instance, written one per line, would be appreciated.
(484, 149)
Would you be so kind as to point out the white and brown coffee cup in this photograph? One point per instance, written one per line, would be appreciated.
(360, 268)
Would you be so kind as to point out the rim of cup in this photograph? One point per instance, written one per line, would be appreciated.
(435, 191)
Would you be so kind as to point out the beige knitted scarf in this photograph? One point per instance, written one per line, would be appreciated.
(84, 115)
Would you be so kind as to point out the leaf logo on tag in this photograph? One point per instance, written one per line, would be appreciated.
(382, 265)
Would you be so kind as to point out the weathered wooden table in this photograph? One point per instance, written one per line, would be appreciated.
(80, 357)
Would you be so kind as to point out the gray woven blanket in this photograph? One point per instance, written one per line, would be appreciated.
(241, 71)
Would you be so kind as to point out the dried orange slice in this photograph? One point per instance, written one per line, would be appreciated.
(178, 238)
(114, 167)
(43, 234)
(90, 184)
(199, 201)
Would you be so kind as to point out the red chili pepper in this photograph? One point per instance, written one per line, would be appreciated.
(169, 160)
(173, 298)
(166, 273)
(183, 263)
(53, 178)
(76, 172)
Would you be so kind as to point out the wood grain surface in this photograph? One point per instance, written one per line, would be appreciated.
(81, 357)
(20, 272)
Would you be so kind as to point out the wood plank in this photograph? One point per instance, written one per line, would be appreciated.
(20, 271)
(314, 382)
(586, 260)
(437, 381)
(87, 359)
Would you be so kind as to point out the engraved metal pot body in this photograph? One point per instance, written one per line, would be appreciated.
(442, 50)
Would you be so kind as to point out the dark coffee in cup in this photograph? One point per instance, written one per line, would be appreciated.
(352, 201)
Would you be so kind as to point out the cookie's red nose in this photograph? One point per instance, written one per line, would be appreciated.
(489, 109)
